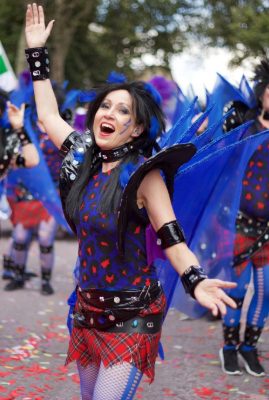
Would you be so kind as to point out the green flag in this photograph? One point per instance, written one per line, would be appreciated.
(8, 79)
(3, 67)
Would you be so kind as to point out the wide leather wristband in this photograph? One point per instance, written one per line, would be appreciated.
(38, 60)
(170, 234)
(20, 161)
(191, 277)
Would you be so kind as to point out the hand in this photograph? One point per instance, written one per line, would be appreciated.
(35, 30)
(15, 115)
(210, 295)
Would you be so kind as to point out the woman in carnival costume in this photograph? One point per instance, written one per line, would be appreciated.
(29, 214)
(119, 311)
(16, 149)
(251, 246)
(16, 152)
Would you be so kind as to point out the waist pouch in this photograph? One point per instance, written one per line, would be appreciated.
(110, 310)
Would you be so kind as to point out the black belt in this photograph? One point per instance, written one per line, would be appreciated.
(254, 228)
(148, 324)
(250, 226)
(121, 299)
(116, 307)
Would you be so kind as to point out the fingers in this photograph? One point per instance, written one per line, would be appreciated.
(221, 306)
(214, 310)
(35, 13)
(221, 302)
(49, 27)
(223, 284)
(22, 107)
(29, 15)
(228, 300)
(11, 107)
(41, 15)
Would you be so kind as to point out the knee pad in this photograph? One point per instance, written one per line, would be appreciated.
(19, 246)
(46, 249)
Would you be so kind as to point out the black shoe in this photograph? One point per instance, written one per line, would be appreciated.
(14, 284)
(7, 275)
(46, 289)
(251, 362)
(229, 362)
(27, 275)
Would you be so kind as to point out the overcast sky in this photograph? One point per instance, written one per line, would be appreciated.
(199, 67)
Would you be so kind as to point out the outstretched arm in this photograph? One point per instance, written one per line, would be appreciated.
(47, 108)
(154, 196)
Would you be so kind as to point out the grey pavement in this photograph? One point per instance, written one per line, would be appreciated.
(34, 339)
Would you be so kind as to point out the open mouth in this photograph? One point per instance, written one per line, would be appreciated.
(107, 128)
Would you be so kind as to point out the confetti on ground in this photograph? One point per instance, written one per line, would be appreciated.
(33, 345)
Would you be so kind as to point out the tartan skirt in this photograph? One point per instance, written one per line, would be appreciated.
(29, 213)
(139, 349)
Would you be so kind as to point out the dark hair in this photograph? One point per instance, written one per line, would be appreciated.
(2, 144)
(261, 79)
(3, 101)
(148, 113)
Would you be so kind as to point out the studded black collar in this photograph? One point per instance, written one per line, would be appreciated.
(117, 153)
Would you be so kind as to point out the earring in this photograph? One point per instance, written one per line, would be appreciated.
(136, 131)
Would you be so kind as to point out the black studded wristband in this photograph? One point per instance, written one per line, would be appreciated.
(38, 60)
(169, 234)
(20, 161)
(191, 277)
(23, 136)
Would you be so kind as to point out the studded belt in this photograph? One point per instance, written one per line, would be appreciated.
(148, 324)
(103, 309)
(251, 227)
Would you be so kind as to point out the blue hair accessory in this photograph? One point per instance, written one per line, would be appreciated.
(154, 128)
(87, 96)
(116, 77)
(154, 93)
(125, 173)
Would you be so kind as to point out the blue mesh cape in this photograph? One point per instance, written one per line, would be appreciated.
(42, 189)
(31, 178)
(38, 180)
(222, 93)
(206, 200)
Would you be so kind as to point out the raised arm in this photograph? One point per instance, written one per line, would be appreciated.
(153, 195)
(47, 108)
(29, 155)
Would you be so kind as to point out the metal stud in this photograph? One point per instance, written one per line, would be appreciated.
(134, 323)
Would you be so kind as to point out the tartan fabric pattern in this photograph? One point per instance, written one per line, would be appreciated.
(259, 259)
(29, 213)
(91, 345)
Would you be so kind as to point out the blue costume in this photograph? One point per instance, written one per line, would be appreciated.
(251, 247)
